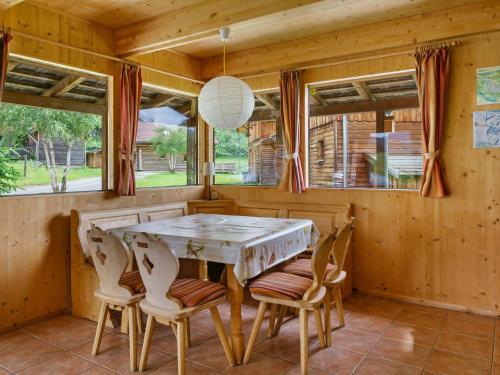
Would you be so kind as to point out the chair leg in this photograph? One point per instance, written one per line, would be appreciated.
(281, 316)
(304, 342)
(138, 314)
(146, 346)
(214, 311)
(187, 333)
(181, 347)
(255, 331)
(132, 334)
(272, 320)
(319, 327)
(338, 306)
(124, 323)
(328, 319)
(100, 328)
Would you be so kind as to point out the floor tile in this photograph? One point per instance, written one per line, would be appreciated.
(334, 361)
(99, 371)
(468, 327)
(121, 363)
(474, 318)
(260, 364)
(401, 351)
(420, 319)
(4, 371)
(170, 368)
(285, 346)
(417, 335)
(111, 346)
(355, 341)
(27, 352)
(367, 323)
(64, 364)
(168, 343)
(378, 310)
(209, 354)
(377, 366)
(63, 331)
(466, 345)
(12, 340)
(426, 309)
(456, 364)
(496, 369)
(295, 370)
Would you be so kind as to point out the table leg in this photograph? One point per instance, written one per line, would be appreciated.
(235, 296)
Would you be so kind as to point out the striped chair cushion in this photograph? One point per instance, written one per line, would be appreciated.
(281, 285)
(132, 280)
(302, 267)
(194, 292)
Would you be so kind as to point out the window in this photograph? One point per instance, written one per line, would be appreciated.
(167, 139)
(365, 133)
(51, 129)
(252, 154)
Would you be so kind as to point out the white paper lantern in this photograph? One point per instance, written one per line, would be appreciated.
(226, 102)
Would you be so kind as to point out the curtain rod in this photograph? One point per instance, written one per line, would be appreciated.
(358, 59)
(104, 56)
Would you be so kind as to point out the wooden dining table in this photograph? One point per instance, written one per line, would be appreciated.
(246, 245)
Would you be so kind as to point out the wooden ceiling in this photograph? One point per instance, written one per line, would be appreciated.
(114, 13)
(190, 26)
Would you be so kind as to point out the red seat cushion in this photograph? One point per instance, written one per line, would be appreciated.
(194, 292)
(281, 285)
(133, 281)
(302, 267)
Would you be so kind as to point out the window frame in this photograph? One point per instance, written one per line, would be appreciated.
(107, 139)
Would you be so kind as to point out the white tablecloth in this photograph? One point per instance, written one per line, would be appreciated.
(252, 244)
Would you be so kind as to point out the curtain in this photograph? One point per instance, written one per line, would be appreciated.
(293, 178)
(5, 39)
(432, 72)
(130, 104)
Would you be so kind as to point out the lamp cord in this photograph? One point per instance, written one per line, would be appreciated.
(224, 59)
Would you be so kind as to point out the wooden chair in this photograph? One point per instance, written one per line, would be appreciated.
(118, 290)
(289, 290)
(172, 301)
(334, 278)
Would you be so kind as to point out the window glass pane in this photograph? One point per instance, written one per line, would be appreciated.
(166, 147)
(51, 147)
(352, 147)
(252, 154)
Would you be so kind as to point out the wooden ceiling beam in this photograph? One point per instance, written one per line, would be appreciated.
(158, 101)
(268, 101)
(405, 32)
(388, 104)
(63, 86)
(52, 102)
(363, 91)
(5, 4)
(194, 23)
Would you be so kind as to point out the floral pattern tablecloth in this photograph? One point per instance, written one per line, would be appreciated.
(252, 244)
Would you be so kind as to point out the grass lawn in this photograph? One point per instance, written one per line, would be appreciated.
(39, 175)
(180, 179)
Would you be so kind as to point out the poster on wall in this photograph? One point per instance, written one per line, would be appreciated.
(486, 129)
(488, 85)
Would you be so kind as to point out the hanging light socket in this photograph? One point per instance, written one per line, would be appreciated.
(224, 34)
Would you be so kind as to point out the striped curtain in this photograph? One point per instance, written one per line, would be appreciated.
(293, 178)
(5, 39)
(130, 104)
(432, 71)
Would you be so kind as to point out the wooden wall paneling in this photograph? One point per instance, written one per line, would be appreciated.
(220, 207)
(35, 234)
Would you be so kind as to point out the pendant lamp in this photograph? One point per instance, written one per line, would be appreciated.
(226, 101)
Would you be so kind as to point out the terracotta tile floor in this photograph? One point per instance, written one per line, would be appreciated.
(381, 337)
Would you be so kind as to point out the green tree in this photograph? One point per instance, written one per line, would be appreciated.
(8, 175)
(17, 122)
(168, 143)
(230, 143)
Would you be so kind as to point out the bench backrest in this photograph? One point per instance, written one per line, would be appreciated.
(107, 219)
